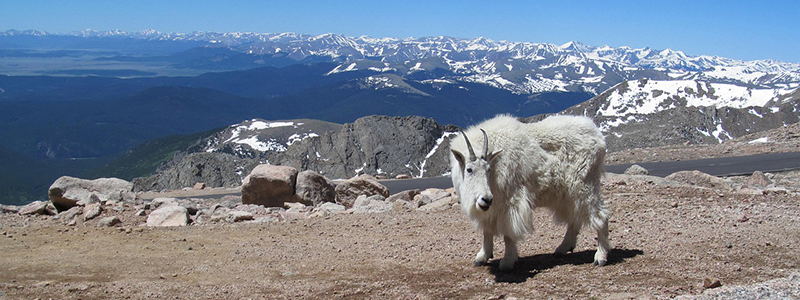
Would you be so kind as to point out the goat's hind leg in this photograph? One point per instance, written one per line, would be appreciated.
(599, 221)
(486, 249)
(570, 240)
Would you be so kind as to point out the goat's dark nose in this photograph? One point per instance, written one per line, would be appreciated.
(487, 200)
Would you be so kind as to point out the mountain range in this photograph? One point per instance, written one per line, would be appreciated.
(75, 102)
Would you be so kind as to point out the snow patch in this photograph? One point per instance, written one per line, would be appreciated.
(759, 140)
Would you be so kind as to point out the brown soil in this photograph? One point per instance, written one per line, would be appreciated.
(667, 240)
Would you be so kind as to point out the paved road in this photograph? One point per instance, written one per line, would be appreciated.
(727, 166)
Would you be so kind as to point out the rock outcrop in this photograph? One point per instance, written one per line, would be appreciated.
(378, 145)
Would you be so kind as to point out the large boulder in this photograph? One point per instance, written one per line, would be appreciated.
(312, 188)
(67, 191)
(270, 186)
(365, 185)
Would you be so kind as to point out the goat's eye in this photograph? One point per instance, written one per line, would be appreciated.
(469, 170)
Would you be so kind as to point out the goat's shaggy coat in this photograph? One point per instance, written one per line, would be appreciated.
(555, 163)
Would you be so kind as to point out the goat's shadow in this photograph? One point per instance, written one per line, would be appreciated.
(528, 267)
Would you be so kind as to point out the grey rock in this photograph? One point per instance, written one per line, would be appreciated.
(162, 201)
(327, 209)
(9, 209)
(168, 216)
(67, 191)
(36, 208)
(68, 216)
(701, 179)
(238, 216)
(407, 195)
(348, 191)
(429, 196)
(109, 221)
(438, 205)
(403, 206)
(314, 189)
(92, 211)
(636, 170)
(759, 179)
(371, 204)
(270, 186)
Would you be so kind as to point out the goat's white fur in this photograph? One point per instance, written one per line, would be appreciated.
(555, 163)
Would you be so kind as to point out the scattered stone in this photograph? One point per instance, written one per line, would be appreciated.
(270, 186)
(92, 211)
(168, 216)
(69, 215)
(9, 209)
(371, 204)
(141, 213)
(327, 209)
(289, 216)
(238, 216)
(294, 205)
(403, 176)
(407, 195)
(161, 202)
(759, 179)
(36, 208)
(109, 221)
(636, 170)
(362, 200)
(313, 188)
(709, 283)
(403, 206)
(700, 179)
(438, 205)
(199, 186)
(430, 195)
(67, 191)
(347, 192)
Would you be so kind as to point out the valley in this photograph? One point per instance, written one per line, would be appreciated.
(82, 104)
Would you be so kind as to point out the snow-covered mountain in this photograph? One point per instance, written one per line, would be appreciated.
(646, 113)
(521, 67)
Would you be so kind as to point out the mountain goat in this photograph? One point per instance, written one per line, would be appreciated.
(555, 163)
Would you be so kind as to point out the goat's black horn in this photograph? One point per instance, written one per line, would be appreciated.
(485, 144)
(472, 156)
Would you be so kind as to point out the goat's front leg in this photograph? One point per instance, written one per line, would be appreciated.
(507, 263)
(486, 249)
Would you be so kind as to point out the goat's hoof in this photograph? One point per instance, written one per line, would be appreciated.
(506, 265)
(599, 263)
(560, 254)
(479, 263)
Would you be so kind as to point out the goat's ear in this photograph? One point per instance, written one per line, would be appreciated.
(460, 158)
(494, 155)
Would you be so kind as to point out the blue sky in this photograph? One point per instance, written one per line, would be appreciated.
(746, 30)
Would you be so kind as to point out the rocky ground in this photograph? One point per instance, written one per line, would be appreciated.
(686, 236)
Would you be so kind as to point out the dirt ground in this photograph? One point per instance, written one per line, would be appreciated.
(667, 239)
